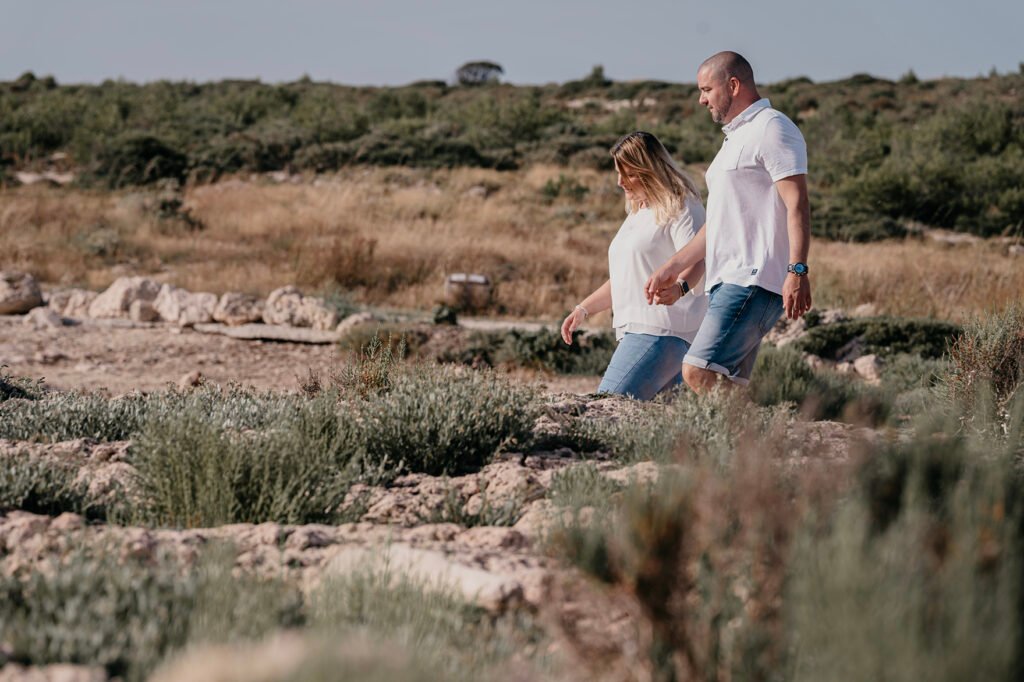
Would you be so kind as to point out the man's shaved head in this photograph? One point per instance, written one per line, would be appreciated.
(726, 65)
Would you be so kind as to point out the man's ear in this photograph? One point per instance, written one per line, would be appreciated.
(734, 86)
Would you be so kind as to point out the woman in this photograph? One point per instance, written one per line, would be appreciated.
(664, 213)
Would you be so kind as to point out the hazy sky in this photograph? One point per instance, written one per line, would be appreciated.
(537, 41)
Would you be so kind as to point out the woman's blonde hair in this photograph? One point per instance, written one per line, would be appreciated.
(643, 156)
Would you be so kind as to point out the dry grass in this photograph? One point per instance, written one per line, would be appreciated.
(388, 237)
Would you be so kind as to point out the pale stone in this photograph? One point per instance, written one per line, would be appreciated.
(495, 592)
(43, 318)
(287, 306)
(353, 321)
(869, 367)
(19, 293)
(235, 308)
(269, 332)
(865, 310)
(813, 361)
(190, 380)
(118, 298)
(184, 308)
(73, 303)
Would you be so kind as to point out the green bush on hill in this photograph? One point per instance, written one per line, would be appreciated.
(882, 153)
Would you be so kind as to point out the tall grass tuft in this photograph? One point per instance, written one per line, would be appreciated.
(988, 358)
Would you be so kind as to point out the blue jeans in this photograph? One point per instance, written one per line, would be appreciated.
(644, 365)
(730, 335)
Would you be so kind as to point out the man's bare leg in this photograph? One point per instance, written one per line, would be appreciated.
(702, 380)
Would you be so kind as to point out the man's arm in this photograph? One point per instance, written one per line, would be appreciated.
(796, 291)
(684, 258)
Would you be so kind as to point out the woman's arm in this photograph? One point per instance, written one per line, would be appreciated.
(597, 302)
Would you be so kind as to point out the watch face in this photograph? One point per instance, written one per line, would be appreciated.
(800, 268)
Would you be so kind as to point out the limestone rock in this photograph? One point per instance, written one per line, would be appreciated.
(813, 361)
(56, 672)
(117, 299)
(72, 303)
(184, 308)
(43, 317)
(19, 293)
(495, 592)
(869, 367)
(287, 306)
(269, 332)
(190, 380)
(353, 321)
(235, 309)
(865, 310)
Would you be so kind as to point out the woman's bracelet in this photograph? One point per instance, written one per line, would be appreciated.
(585, 313)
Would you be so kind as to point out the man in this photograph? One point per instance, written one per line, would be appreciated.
(757, 232)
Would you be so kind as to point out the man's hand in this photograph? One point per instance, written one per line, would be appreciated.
(796, 296)
(572, 323)
(663, 278)
(669, 295)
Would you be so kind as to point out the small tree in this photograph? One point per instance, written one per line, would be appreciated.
(478, 73)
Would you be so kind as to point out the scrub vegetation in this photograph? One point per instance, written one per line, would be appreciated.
(735, 546)
(946, 153)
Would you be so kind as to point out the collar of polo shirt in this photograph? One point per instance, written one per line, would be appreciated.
(745, 115)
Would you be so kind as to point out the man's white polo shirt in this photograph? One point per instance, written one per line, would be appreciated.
(747, 235)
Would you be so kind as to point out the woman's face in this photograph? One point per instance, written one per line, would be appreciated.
(630, 184)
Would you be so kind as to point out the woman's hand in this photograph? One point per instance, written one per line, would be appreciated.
(663, 278)
(572, 323)
(668, 295)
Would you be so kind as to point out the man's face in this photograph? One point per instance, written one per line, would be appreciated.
(715, 94)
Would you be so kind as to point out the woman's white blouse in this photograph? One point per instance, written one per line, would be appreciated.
(640, 248)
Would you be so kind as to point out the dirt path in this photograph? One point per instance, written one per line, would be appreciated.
(89, 356)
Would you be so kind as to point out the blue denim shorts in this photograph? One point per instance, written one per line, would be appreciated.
(644, 365)
(730, 335)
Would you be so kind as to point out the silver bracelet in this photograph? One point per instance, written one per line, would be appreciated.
(586, 314)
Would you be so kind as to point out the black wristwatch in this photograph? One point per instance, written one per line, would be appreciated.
(684, 288)
(798, 269)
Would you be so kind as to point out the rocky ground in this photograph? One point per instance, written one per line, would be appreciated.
(443, 529)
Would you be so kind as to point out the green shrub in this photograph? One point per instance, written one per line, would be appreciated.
(12, 387)
(430, 621)
(93, 608)
(543, 350)
(194, 472)
(703, 427)
(65, 416)
(918, 575)
(581, 485)
(782, 376)
(138, 159)
(447, 420)
(988, 356)
(43, 487)
(882, 336)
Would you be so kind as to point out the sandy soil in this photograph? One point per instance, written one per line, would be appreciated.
(120, 360)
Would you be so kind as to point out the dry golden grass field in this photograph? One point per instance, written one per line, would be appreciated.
(388, 237)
